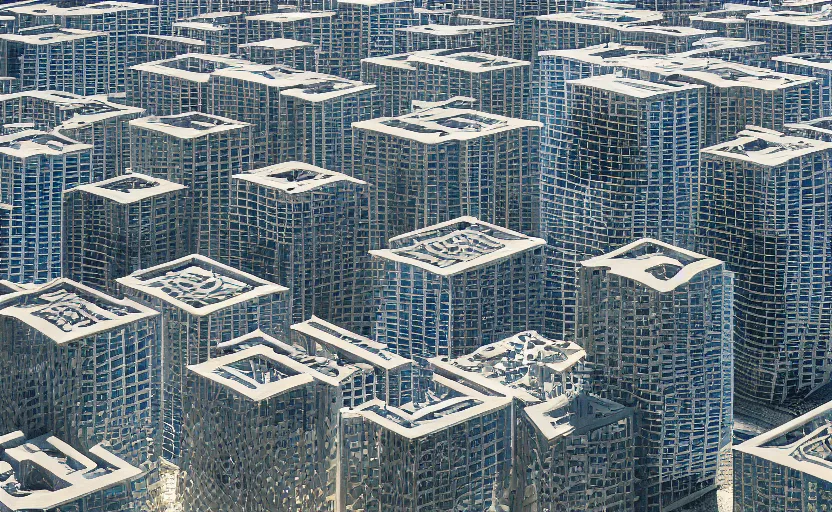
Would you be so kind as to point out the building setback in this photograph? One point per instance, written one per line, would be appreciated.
(290, 53)
(656, 323)
(447, 161)
(450, 288)
(274, 411)
(201, 152)
(319, 28)
(367, 29)
(53, 163)
(152, 47)
(306, 228)
(39, 476)
(322, 338)
(118, 19)
(500, 85)
(68, 60)
(90, 120)
(621, 165)
(786, 468)
(495, 37)
(202, 304)
(452, 448)
(575, 452)
(84, 366)
(741, 51)
(590, 26)
(222, 31)
(176, 85)
(810, 64)
(768, 218)
(792, 31)
(115, 227)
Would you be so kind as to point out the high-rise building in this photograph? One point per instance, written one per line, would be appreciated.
(500, 85)
(199, 151)
(276, 416)
(451, 449)
(620, 164)
(324, 339)
(590, 26)
(447, 161)
(9, 84)
(45, 473)
(318, 28)
(115, 227)
(35, 169)
(525, 366)
(678, 12)
(222, 31)
(59, 59)
(118, 19)
(290, 53)
(786, 468)
(495, 37)
(202, 303)
(295, 115)
(173, 86)
(575, 452)
(367, 28)
(767, 217)
(152, 47)
(728, 21)
(791, 32)
(741, 51)
(83, 366)
(663, 39)
(810, 64)
(90, 120)
(656, 323)
(306, 228)
(448, 289)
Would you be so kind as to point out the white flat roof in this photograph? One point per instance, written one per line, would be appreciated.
(766, 147)
(555, 418)
(399, 60)
(596, 54)
(790, 445)
(347, 342)
(669, 31)
(721, 43)
(188, 125)
(632, 87)
(821, 18)
(814, 60)
(713, 71)
(199, 285)
(81, 10)
(51, 456)
(129, 188)
(470, 61)
(278, 43)
(65, 311)
(60, 35)
(259, 373)
(603, 16)
(456, 246)
(327, 88)
(453, 30)
(295, 177)
(433, 418)
(273, 75)
(290, 17)
(199, 25)
(162, 67)
(635, 261)
(29, 143)
(444, 122)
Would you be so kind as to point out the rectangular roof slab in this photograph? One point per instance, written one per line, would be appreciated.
(457, 246)
(65, 474)
(199, 285)
(129, 188)
(653, 263)
(65, 311)
(295, 177)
